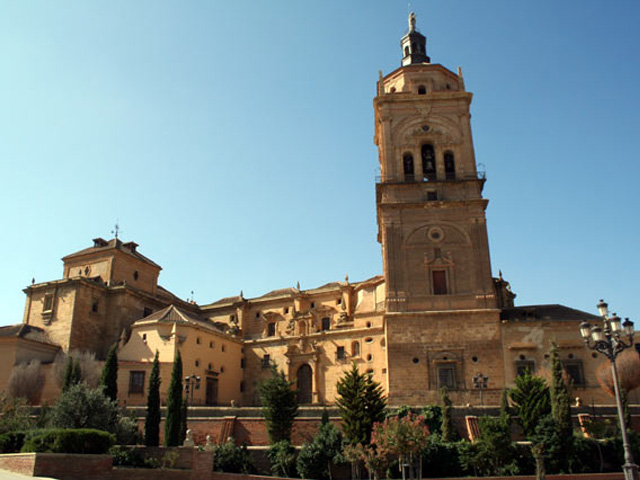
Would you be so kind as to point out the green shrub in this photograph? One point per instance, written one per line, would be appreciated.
(126, 456)
(69, 441)
(12, 442)
(282, 456)
(230, 458)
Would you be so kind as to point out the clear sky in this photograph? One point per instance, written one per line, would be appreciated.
(234, 140)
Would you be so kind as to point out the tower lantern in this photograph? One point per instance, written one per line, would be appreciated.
(414, 45)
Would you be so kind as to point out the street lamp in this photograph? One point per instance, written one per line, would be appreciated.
(611, 339)
(480, 382)
(191, 383)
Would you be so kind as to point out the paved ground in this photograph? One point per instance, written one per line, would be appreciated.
(7, 475)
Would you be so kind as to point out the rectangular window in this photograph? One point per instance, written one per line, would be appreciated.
(340, 353)
(271, 330)
(47, 305)
(326, 324)
(574, 371)
(136, 382)
(266, 361)
(523, 365)
(439, 278)
(447, 376)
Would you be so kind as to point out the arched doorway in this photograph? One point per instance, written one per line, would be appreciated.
(305, 384)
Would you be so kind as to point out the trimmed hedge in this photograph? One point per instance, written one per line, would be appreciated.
(67, 440)
(12, 442)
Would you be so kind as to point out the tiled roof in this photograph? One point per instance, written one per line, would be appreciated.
(548, 313)
(113, 244)
(173, 314)
(28, 332)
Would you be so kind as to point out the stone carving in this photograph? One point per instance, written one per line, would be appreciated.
(188, 441)
(209, 446)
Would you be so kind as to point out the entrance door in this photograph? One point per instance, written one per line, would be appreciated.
(305, 384)
(212, 391)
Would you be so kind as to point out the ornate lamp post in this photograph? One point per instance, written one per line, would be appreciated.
(611, 339)
(480, 382)
(191, 383)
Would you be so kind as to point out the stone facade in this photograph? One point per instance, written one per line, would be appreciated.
(436, 317)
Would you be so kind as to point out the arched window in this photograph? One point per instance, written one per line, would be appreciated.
(302, 327)
(271, 329)
(407, 162)
(406, 51)
(428, 162)
(355, 349)
(449, 166)
(422, 90)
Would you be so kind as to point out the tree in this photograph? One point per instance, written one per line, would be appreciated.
(152, 422)
(68, 375)
(280, 406)
(448, 429)
(493, 453)
(15, 414)
(26, 381)
(505, 409)
(76, 371)
(83, 407)
(361, 403)
(109, 378)
(315, 458)
(172, 425)
(628, 365)
(282, 456)
(405, 437)
(532, 403)
(561, 410)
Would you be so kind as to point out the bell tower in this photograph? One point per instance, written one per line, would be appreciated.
(431, 221)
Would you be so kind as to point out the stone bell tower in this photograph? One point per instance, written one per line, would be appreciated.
(431, 224)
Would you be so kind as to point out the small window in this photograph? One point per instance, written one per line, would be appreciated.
(313, 304)
(242, 363)
(369, 358)
(326, 324)
(355, 349)
(447, 376)
(368, 324)
(94, 306)
(241, 387)
(222, 347)
(340, 353)
(271, 329)
(257, 314)
(209, 366)
(136, 382)
(523, 366)
(266, 361)
(368, 340)
(221, 368)
(439, 278)
(144, 337)
(339, 301)
(211, 344)
(197, 363)
(197, 340)
(574, 371)
(370, 371)
(232, 318)
(422, 90)
(47, 305)
(286, 310)
(406, 51)
(136, 275)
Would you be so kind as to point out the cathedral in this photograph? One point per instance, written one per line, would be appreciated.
(436, 317)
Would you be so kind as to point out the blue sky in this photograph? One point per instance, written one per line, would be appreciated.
(233, 140)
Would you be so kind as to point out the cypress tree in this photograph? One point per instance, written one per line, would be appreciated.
(183, 420)
(152, 423)
(361, 404)
(448, 430)
(561, 410)
(76, 372)
(505, 409)
(280, 406)
(68, 374)
(173, 422)
(109, 378)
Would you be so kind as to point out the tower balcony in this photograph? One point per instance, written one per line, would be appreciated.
(428, 178)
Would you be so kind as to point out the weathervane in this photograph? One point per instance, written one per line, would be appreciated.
(116, 230)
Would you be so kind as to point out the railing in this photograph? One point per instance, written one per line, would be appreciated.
(427, 178)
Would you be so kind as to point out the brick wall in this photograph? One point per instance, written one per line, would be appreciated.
(23, 463)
